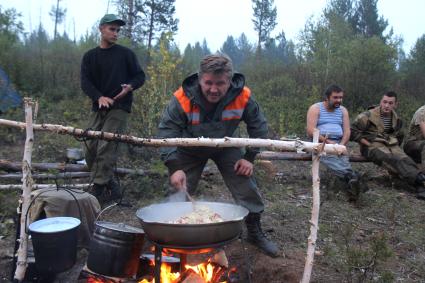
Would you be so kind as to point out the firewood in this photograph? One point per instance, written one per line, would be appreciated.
(67, 175)
(294, 156)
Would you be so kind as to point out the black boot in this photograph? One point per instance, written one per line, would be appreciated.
(257, 237)
(97, 190)
(113, 190)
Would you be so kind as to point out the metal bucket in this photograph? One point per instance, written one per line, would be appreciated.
(115, 249)
(55, 243)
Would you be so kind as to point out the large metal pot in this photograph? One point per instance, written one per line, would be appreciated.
(156, 218)
(115, 249)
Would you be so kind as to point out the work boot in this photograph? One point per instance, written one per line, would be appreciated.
(257, 237)
(420, 192)
(97, 191)
(420, 179)
(113, 190)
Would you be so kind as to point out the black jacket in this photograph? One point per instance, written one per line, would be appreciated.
(104, 70)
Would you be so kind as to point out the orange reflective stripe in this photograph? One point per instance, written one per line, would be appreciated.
(192, 111)
(235, 109)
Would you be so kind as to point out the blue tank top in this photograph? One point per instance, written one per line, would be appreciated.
(330, 123)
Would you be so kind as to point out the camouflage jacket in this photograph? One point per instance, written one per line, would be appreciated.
(369, 125)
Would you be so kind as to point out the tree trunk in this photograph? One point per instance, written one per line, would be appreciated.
(293, 156)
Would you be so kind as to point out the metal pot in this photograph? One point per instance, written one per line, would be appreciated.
(55, 243)
(156, 218)
(115, 249)
(74, 153)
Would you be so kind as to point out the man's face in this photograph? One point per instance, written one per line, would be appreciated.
(109, 32)
(335, 99)
(214, 86)
(387, 104)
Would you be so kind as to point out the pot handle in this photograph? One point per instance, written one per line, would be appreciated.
(57, 189)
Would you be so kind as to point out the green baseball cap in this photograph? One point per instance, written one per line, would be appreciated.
(111, 18)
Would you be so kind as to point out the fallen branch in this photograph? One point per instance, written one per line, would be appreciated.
(67, 175)
(66, 167)
(21, 263)
(294, 156)
(314, 222)
(297, 145)
(42, 186)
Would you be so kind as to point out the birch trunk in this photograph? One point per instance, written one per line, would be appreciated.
(314, 222)
(297, 145)
(21, 264)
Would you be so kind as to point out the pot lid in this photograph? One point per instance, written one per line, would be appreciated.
(54, 224)
(121, 227)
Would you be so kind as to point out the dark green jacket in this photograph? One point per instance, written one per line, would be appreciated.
(175, 124)
(369, 125)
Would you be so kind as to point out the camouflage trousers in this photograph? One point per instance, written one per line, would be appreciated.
(394, 160)
(416, 150)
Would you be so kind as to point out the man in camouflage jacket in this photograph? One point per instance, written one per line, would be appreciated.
(379, 133)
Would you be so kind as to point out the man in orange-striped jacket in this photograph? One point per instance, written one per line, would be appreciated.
(211, 104)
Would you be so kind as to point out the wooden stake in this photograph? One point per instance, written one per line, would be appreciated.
(27, 182)
(314, 222)
(297, 145)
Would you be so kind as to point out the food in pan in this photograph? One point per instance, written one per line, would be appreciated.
(201, 214)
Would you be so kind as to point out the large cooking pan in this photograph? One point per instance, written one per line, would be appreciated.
(156, 217)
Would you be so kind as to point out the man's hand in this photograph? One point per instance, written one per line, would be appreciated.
(244, 167)
(104, 101)
(178, 180)
(125, 89)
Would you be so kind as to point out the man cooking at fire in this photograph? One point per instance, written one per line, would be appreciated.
(212, 103)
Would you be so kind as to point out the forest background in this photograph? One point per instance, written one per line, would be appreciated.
(350, 44)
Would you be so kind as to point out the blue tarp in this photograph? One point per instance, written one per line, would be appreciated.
(9, 97)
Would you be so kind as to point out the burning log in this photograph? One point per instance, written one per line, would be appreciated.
(21, 263)
(297, 145)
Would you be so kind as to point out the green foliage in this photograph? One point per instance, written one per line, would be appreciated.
(264, 19)
(163, 80)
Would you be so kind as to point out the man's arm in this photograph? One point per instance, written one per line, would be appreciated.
(359, 128)
(345, 126)
(172, 123)
(86, 80)
(256, 125)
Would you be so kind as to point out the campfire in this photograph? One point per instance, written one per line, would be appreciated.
(214, 270)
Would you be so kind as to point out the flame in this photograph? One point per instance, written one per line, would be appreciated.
(205, 270)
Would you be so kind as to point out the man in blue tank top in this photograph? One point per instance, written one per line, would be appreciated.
(333, 122)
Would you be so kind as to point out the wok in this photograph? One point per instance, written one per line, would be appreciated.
(156, 217)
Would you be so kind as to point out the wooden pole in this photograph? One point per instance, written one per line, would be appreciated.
(43, 186)
(27, 182)
(294, 156)
(66, 175)
(297, 145)
(314, 222)
(67, 167)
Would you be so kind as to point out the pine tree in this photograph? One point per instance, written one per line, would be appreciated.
(264, 19)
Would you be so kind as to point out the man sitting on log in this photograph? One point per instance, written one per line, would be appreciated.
(333, 122)
(415, 141)
(212, 103)
(379, 133)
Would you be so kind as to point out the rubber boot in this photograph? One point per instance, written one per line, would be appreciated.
(257, 237)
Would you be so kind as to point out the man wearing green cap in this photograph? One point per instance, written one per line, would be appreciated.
(109, 75)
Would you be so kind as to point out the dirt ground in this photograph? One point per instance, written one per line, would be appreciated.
(379, 238)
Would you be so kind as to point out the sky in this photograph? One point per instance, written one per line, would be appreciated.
(214, 20)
